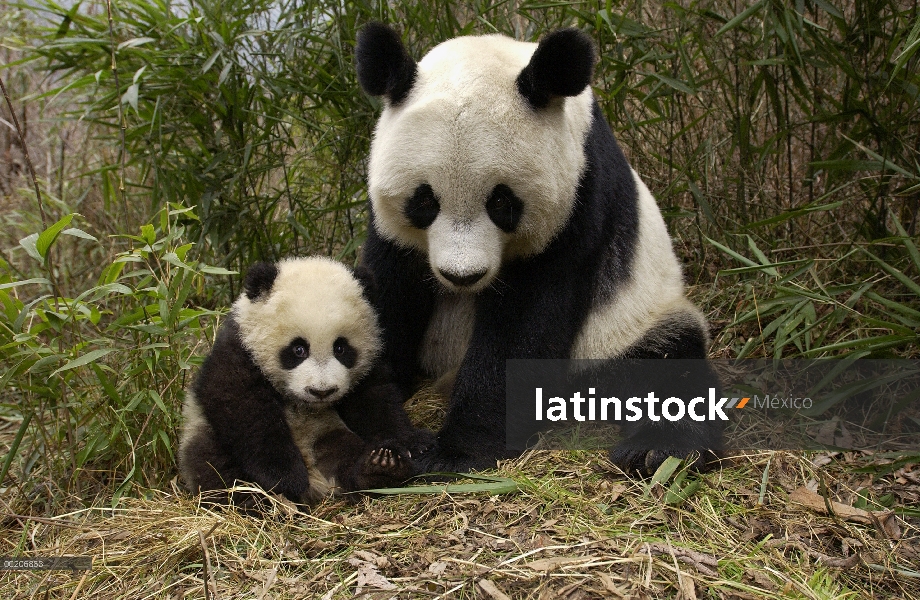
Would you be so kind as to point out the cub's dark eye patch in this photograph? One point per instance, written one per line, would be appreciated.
(504, 208)
(344, 352)
(294, 353)
(423, 207)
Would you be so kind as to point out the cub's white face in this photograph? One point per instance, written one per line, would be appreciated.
(466, 171)
(314, 335)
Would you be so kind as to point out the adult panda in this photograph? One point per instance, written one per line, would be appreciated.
(505, 222)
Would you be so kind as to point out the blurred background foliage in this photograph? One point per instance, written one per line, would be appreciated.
(181, 141)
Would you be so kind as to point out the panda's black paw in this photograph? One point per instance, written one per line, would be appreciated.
(419, 442)
(386, 465)
(637, 455)
(442, 460)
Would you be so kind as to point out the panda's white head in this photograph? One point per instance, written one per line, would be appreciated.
(478, 153)
(309, 327)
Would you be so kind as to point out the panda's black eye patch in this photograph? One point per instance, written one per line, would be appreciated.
(344, 352)
(504, 208)
(423, 207)
(294, 353)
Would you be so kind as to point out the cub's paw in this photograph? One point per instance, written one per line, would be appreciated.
(386, 465)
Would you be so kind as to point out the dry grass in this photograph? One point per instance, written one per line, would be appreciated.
(576, 528)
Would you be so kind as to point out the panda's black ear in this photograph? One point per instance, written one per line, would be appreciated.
(384, 67)
(259, 279)
(562, 65)
(368, 283)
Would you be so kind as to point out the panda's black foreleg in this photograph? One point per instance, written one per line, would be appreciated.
(247, 421)
(520, 317)
(210, 469)
(649, 446)
(375, 412)
(404, 297)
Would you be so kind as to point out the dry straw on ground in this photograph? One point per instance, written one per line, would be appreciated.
(575, 529)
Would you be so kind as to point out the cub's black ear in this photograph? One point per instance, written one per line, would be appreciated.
(384, 67)
(561, 66)
(368, 283)
(259, 280)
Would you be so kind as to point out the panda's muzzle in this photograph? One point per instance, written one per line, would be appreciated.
(463, 280)
(323, 394)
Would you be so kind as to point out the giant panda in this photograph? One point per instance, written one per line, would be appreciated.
(505, 222)
(301, 341)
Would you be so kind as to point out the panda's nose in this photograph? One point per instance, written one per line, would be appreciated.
(463, 280)
(321, 394)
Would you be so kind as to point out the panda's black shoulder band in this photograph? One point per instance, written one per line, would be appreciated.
(384, 67)
(562, 65)
(259, 280)
(368, 283)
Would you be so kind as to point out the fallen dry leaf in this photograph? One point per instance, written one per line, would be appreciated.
(492, 590)
(686, 588)
(615, 491)
(548, 564)
(816, 502)
(437, 568)
(761, 579)
(610, 586)
(369, 576)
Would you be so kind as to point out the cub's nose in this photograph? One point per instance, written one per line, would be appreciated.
(463, 280)
(322, 394)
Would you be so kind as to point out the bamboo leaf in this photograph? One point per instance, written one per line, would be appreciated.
(28, 244)
(210, 62)
(84, 360)
(47, 237)
(664, 473)
(740, 18)
(72, 231)
(490, 485)
(732, 253)
(910, 283)
(34, 280)
(130, 96)
(134, 42)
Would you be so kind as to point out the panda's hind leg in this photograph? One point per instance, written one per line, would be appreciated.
(207, 470)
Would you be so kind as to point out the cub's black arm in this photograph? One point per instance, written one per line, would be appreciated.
(248, 419)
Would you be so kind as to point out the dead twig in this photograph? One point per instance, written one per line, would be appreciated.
(703, 563)
(824, 559)
(25, 152)
(206, 564)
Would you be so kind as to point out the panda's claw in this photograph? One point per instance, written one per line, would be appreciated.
(419, 442)
(645, 460)
(387, 464)
(383, 457)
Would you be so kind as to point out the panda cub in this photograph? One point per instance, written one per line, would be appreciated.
(301, 340)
